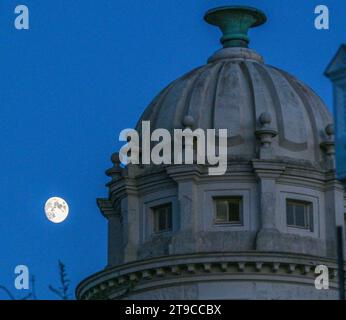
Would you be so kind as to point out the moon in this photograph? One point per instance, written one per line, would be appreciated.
(56, 209)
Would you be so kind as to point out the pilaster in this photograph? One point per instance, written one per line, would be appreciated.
(267, 174)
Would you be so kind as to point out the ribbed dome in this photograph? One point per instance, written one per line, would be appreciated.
(231, 92)
(235, 88)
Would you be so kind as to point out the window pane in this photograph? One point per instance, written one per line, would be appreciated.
(221, 211)
(169, 218)
(290, 217)
(300, 215)
(229, 210)
(234, 211)
(162, 218)
(311, 219)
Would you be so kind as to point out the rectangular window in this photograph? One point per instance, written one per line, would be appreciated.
(229, 210)
(300, 214)
(162, 218)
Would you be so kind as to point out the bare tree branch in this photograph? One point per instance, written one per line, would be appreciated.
(8, 292)
(63, 291)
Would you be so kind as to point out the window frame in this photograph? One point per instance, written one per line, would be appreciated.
(230, 198)
(155, 218)
(308, 214)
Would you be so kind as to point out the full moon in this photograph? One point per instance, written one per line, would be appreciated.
(56, 209)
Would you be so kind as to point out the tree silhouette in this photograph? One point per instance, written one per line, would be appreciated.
(31, 295)
(63, 291)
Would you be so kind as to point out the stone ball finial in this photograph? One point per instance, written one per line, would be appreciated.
(330, 130)
(265, 118)
(115, 158)
(116, 171)
(188, 122)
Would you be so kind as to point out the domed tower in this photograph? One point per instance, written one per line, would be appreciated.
(256, 232)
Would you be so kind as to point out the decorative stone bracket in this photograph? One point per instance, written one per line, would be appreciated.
(122, 281)
(107, 208)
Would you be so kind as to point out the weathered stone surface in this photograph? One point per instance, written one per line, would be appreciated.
(280, 148)
(231, 92)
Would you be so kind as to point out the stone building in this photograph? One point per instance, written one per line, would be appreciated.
(257, 232)
(336, 72)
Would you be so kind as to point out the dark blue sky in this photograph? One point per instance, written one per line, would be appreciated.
(84, 71)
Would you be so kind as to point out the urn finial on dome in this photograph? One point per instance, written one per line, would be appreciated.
(116, 171)
(266, 134)
(329, 146)
(330, 130)
(234, 22)
(188, 122)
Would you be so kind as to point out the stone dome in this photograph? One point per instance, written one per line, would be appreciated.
(256, 232)
(231, 92)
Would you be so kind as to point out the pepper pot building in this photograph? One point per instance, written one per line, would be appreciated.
(256, 232)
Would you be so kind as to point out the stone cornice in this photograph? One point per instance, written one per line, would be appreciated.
(119, 280)
(127, 186)
(333, 183)
(185, 172)
(106, 207)
(338, 76)
(267, 169)
(287, 173)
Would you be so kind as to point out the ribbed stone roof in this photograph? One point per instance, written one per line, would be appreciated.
(234, 89)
